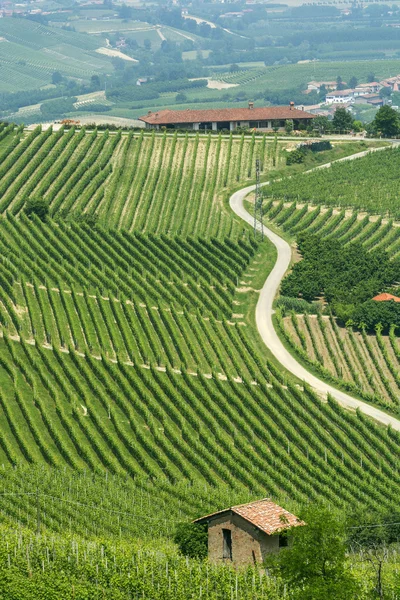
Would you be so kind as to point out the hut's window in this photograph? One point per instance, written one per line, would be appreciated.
(227, 544)
(283, 541)
(254, 557)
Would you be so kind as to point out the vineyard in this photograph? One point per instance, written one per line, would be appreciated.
(110, 364)
(134, 392)
(30, 53)
(337, 353)
(342, 354)
(373, 179)
(373, 232)
(54, 567)
(142, 182)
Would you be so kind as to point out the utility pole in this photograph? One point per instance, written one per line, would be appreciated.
(258, 202)
(37, 511)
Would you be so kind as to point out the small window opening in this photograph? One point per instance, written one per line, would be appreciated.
(227, 544)
(283, 540)
(254, 557)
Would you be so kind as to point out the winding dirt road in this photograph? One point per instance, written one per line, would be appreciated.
(266, 328)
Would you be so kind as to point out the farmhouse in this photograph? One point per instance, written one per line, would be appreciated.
(386, 298)
(265, 118)
(340, 97)
(244, 534)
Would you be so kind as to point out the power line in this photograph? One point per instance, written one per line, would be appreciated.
(81, 504)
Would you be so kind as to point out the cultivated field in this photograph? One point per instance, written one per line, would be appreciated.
(134, 391)
(30, 53)
(368, 183)
(137, 182)
(367, 364)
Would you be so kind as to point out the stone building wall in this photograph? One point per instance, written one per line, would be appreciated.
(246, 540)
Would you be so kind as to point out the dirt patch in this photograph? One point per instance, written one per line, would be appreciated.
(214, 84)
(115, 53)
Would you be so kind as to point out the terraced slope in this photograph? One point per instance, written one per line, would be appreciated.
(136, 182)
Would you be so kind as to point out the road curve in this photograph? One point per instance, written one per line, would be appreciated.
(266, 328)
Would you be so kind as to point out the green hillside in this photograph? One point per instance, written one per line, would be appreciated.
(135, 392)
(141, 181)
(30, 53)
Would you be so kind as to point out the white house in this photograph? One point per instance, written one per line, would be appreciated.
(340, 97)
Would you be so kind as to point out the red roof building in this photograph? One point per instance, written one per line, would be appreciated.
(386, 298)
(263, 118)
(244, 534)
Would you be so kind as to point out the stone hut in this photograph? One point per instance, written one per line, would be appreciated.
(244, 534)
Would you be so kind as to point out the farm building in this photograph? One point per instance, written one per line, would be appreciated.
(244, 534)
(386, 298)
(340, 97)
(265, 118)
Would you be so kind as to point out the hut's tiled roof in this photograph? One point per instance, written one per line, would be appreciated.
(263, 514)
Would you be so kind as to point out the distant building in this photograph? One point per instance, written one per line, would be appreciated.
(392, 82)
(340, 97)
(367, 88)
(373, 99)
(316, 85)
(386, 298)
(245, 534)
(266, 118)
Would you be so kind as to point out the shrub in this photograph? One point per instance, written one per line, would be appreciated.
(192, 539)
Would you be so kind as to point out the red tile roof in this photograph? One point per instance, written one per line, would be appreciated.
(263, 514)
(347, 92)
(385, 297)
(165, 117)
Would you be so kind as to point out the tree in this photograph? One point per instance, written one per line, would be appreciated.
(289, 126)
(234, 67)
(95, 82)
(370, 77)
(339, 83)
(147, 44)
(275, 125)
(322, 92)
(385, 92)
(314, 565)
(37, 206)
(342, 120)
(323, 124)
(180, 98)
(387, 121)
(192, 539)
(353, 82)
(56, 78)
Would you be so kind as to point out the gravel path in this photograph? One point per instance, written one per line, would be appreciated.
(265, 325)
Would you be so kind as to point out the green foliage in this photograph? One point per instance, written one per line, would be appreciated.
(387, 122)
(69, 567)
(314, 565)
(192, 539)
(343, 274)
(370, 313)
(342, 120)
(37, 206)
(287, 303)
